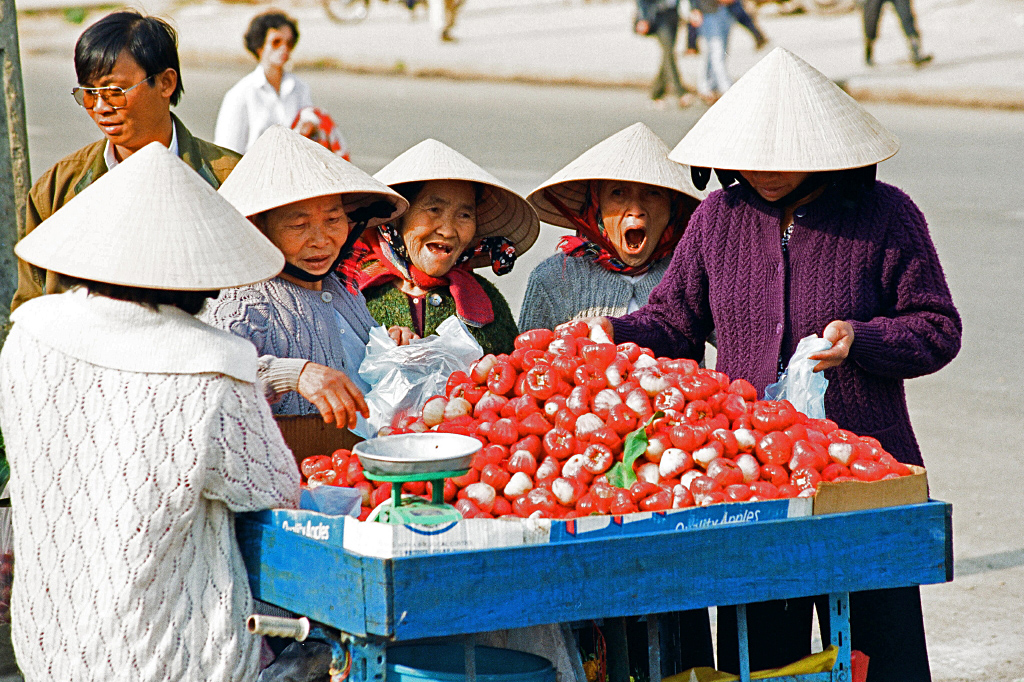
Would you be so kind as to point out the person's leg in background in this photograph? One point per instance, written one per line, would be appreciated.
(718, 26)
(691, 39)
(906, 14)
(872, 11)
(746, 21)
(668, 74)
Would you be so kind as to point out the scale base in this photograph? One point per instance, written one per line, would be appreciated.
(420, 513)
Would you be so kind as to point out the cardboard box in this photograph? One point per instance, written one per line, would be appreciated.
(308, 435)
(386, 541)
(833, 498)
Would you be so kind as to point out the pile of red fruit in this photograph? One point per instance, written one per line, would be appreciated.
(571, 426)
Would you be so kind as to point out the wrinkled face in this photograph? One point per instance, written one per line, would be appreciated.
(310, 233)
(439, 225)
(635, 216)
(774, 185)
(277, 47)
(148, 107)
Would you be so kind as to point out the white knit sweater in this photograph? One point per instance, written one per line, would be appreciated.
(123, 485)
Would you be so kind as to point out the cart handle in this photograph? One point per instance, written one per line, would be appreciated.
(274, 626)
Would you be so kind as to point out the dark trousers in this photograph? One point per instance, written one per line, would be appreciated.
(666, 27)
(744, 19)
(685, 643)
(887, 625)
(873, 10)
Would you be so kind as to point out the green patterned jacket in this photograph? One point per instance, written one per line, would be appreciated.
(389, 306)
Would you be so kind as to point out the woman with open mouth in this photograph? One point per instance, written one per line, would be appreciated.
(628, 205)
(803, 240)
(309, 326)
(417, 271)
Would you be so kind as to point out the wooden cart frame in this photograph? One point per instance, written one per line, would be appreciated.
(374, 602)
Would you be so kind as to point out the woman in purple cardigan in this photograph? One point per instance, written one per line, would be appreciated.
(803, 240)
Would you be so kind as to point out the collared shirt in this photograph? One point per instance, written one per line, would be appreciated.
(252, 105)
(111, 158)
(634, 304)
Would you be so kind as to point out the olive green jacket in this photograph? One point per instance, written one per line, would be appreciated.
(72, 174)
(389, 306)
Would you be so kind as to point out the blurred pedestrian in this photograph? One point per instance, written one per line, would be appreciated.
(442, 17)
(742, 17)
(713, 21)
(873, 11)
(269, 95)
(660, 18)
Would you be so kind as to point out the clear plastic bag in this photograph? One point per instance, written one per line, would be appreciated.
(799, 384)
(403, 377)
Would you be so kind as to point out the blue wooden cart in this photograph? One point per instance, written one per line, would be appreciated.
(374, 602)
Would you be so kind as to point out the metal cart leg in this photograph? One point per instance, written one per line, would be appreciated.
(653, 648)
(839, 633)
(744, 648)
(369, 660)
(470, 645)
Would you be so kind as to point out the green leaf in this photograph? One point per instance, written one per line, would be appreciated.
(621, 475)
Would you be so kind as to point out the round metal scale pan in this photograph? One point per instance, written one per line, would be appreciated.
(417, 453)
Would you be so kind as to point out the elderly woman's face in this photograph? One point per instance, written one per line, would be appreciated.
(774, 185)
(635, 216)
(310, 233)
(439, 225)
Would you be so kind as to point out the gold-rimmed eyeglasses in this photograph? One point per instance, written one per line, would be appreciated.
(113, 95)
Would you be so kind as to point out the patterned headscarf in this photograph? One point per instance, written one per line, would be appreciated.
(382, 257)
(591, 242)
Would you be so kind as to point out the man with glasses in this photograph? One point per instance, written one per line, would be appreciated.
(129, 77)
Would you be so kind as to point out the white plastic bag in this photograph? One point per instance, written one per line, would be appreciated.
(799, 384)
(403, 377)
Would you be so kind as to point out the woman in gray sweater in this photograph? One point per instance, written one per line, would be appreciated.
(310, 326)
(628, 205)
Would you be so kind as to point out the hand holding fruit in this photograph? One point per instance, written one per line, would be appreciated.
(840, 334)
(333, 393)
(402, 335)
(598, 326)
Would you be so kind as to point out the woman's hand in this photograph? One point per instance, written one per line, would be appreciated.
(598, 326)
(402, 335)
(841, 335)
(333, 393)
(696, 18)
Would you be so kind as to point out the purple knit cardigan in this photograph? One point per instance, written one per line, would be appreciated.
(871, 263)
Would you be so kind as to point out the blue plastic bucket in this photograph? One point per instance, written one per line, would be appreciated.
(447, 663)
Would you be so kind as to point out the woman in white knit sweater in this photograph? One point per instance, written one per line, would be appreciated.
(628, 205)
(310, 327)
(134, 432)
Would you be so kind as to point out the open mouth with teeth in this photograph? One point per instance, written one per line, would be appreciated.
(439, 249)
(634, 238)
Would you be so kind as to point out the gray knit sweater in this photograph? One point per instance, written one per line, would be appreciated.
(564, 288)
(290, 325)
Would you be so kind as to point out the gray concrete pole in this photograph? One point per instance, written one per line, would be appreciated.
(15, 177)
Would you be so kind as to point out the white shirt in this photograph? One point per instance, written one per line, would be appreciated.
(111, 158)
(252, 105)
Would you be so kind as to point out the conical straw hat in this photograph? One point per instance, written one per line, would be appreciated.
(283, 167)
(635, 154)
(785, 115)
(152, 222)
(499, 213)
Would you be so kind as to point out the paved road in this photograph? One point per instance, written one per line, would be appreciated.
(959, 165)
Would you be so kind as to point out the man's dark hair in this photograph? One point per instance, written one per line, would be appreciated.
(256, 34)
(189, 301)
(151, 42)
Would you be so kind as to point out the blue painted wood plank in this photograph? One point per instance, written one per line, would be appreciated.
(465, 592)
(478, 591)
(305, 576)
